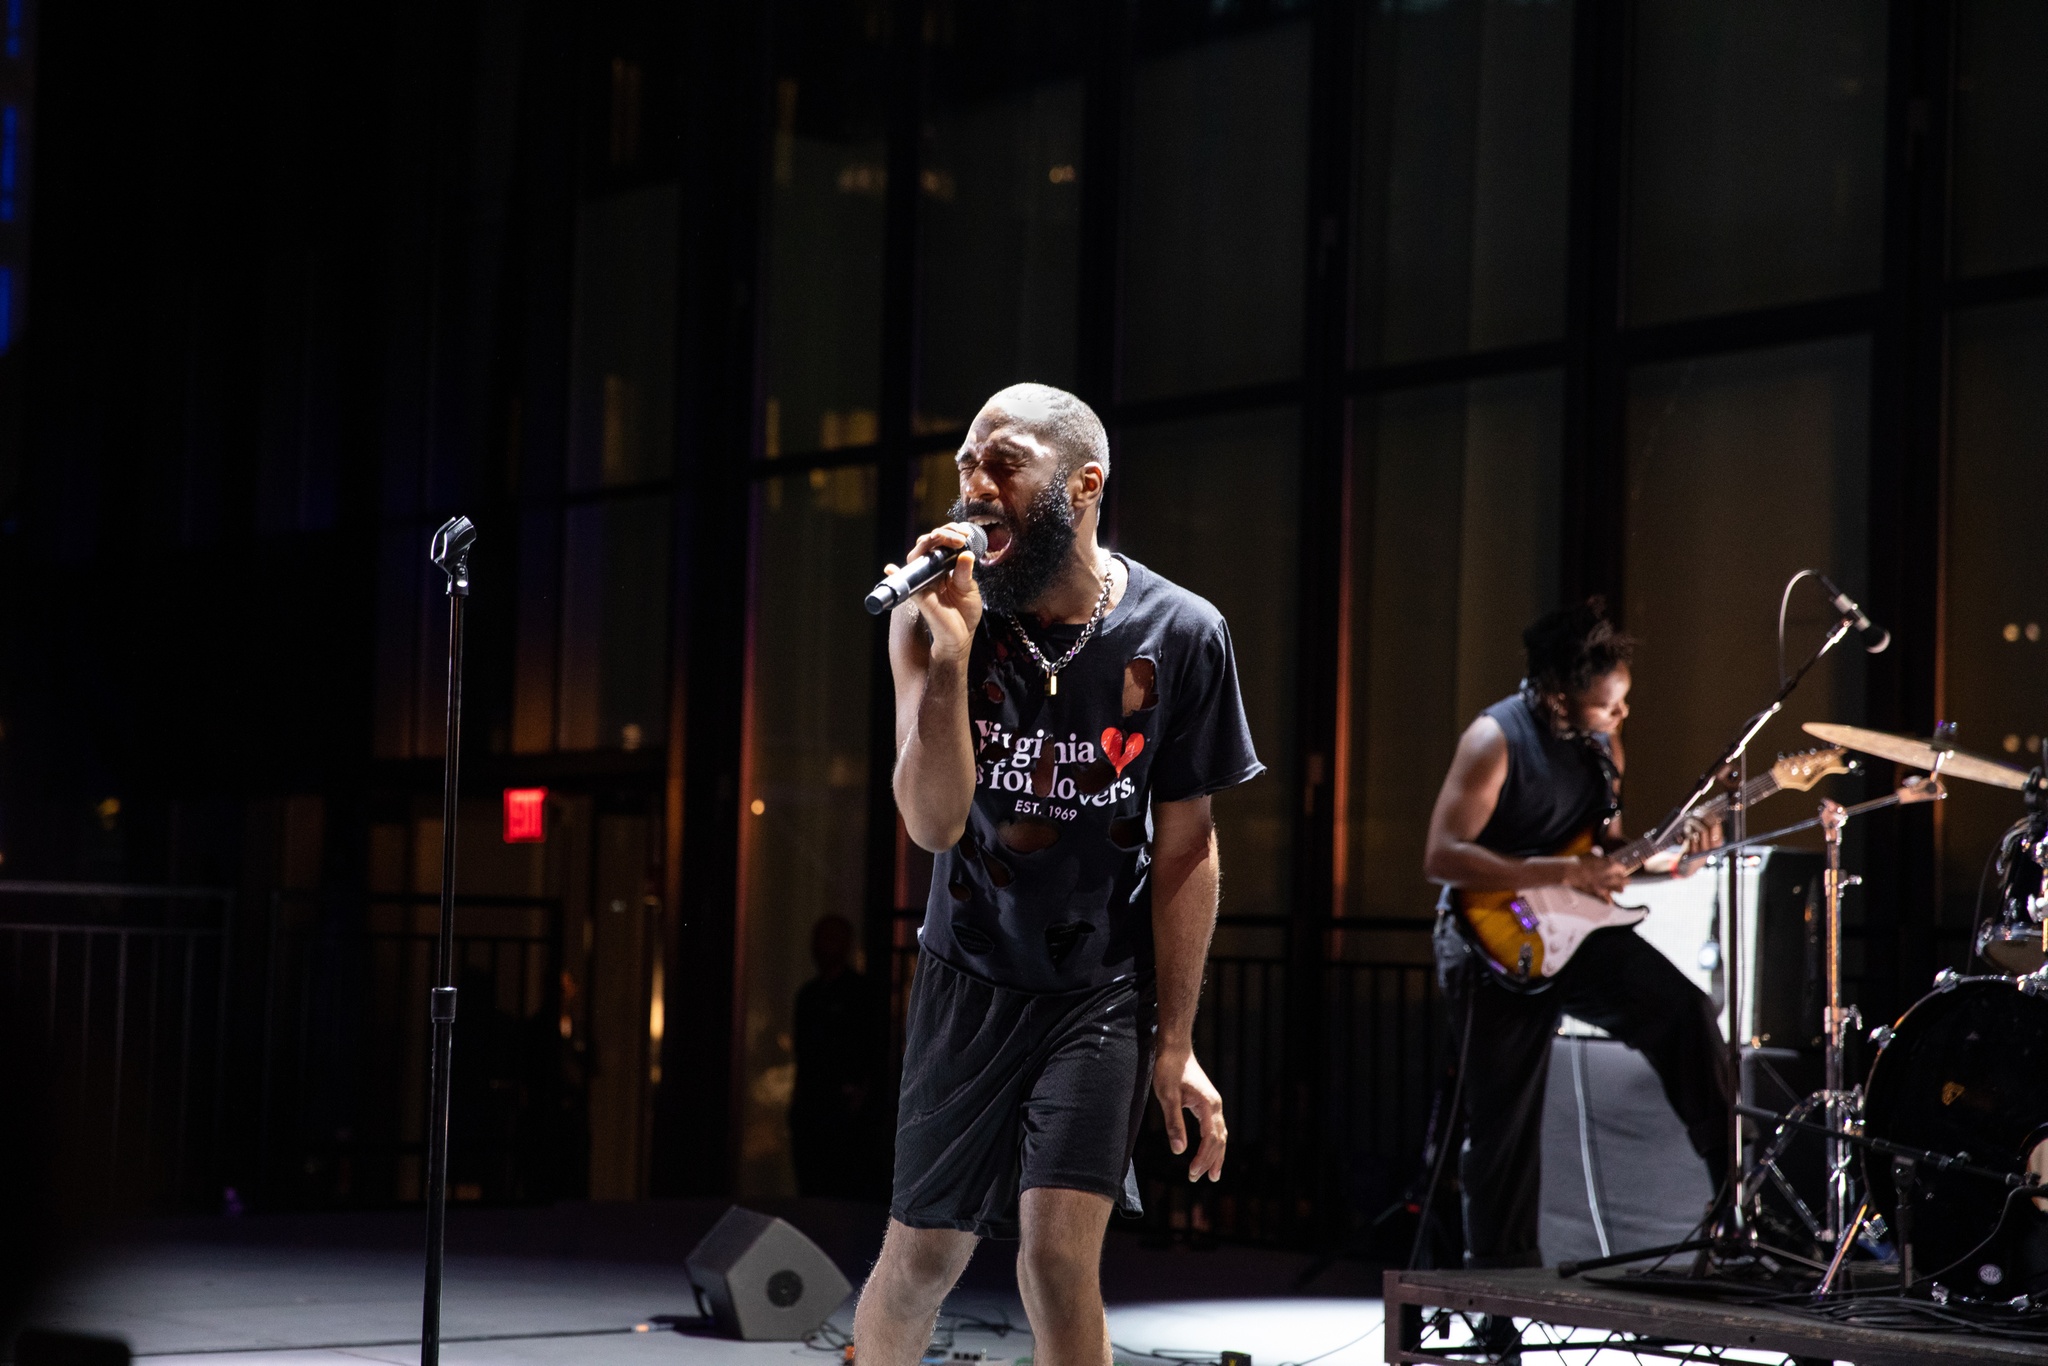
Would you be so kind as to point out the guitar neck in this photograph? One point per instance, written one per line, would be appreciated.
(1642, 849)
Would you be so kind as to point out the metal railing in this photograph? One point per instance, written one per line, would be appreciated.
(123, 990)
(345, 1029)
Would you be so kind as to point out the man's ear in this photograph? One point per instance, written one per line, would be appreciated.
(1084, 485)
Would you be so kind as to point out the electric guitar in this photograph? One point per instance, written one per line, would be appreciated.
(1530, 935)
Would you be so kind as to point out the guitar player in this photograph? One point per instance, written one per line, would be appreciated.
(1532, 772)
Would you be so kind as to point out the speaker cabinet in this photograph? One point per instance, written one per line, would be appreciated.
(1619, 1172)
(1786, 969)
(765, 1281)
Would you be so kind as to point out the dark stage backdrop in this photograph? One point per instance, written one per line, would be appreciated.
(1410, 320)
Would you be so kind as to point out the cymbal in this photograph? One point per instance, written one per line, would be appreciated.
(1917, 753)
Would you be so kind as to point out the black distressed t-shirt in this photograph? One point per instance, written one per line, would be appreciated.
(1049, 888)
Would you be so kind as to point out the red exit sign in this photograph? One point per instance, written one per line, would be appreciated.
(526, 815)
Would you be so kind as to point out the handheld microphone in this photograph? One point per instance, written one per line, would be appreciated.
(938, 560)
(1875, 637)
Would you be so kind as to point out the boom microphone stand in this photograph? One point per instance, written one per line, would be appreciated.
(1731, 949)
(450, 552)
(1731, 1231)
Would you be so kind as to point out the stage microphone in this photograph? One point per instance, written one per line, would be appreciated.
(938, 560)
(1875, 637)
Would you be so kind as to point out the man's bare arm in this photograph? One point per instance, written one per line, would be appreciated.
(1184, 885)
(1470, 792)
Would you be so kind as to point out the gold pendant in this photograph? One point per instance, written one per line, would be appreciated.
(1052, 685)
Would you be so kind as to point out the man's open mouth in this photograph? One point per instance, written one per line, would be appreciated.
(998, 539)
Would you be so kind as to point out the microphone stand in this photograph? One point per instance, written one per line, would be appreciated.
(450, 551)
(1732, 1231)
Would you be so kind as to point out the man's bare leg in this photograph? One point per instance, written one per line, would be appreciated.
(1059, 1276)
(899, 1305)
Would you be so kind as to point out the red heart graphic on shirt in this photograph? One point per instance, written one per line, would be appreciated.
(1121, 749)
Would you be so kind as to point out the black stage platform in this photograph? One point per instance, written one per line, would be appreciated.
(1628, 1320)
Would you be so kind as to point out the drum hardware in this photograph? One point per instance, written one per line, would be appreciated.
(1913, 791)
(1733, 760)
(1907, 1162)
(1835, 1263)
(1765, 1167)
(1937, 755)
(1731, 1237)
(1835, 1028)
(2016, 940)
(1905, 1181)
(1842, 1104)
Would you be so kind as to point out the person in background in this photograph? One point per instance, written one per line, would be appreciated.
(841, 1026)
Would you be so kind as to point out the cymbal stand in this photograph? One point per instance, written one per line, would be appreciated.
(1844, 1215)
(1840, 1103)
(1836, 1022)
(1845, 1104)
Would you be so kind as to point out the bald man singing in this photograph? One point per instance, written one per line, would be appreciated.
(1063, 715)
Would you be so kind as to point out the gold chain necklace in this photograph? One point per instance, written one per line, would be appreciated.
(1052, 671)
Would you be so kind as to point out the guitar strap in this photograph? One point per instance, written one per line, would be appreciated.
(1596, 746)
(1610, 777)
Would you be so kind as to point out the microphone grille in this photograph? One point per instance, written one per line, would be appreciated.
(977, 540)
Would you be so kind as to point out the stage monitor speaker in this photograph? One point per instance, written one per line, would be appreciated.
(765, 1281)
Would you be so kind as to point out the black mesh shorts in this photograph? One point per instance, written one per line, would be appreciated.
(1005, 1090)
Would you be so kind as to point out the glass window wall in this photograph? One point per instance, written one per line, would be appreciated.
(1463, 176)
(621, 420)
(614, 645)
(999, 211)
(1756, 168)
(1454, 549)
(2001, 136)
(1215, 191)
(1995, 657)
(1212, 505)
(1742, 469)
(828, 177)
(803, 786)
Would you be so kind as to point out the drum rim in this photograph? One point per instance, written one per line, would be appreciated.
(1948, 988)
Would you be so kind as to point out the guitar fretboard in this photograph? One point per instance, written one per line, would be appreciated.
(1642, 849)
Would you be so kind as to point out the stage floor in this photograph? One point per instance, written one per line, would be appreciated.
(569, 1284)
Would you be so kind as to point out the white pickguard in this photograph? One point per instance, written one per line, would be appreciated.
(1565, 916)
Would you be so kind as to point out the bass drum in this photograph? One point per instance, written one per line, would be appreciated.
(1966, 1071)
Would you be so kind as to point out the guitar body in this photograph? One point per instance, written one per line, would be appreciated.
(1528, 936)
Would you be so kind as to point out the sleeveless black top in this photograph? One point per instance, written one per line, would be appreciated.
(1555, 787)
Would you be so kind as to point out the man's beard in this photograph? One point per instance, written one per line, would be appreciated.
(1039, 545)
